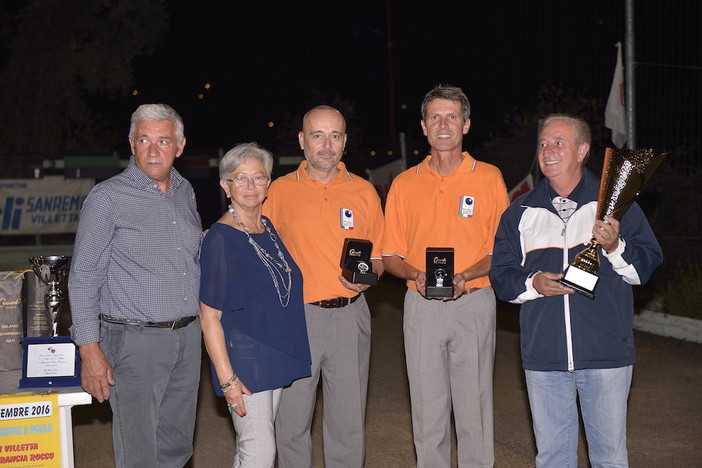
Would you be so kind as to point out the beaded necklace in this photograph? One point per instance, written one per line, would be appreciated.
(275, 267)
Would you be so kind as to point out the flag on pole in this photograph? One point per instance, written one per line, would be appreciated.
(526, 184)
(615, 112)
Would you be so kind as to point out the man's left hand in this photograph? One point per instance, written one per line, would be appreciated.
(358, 287)
(606, 232)
(459, 286)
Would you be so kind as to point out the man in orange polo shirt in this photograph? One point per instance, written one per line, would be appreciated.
(448, 200)
(314, 210)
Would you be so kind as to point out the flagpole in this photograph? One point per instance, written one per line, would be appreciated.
(630, 75)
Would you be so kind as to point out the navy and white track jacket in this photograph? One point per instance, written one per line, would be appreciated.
(571, 332)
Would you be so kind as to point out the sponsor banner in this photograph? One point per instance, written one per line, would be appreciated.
(42, 206)
(30, 431)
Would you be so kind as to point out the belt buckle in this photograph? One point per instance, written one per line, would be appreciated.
(173, 325)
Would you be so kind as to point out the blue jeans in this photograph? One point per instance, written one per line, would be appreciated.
(602, 394)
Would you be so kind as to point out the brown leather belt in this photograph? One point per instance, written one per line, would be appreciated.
(173, 324)
(336, 302)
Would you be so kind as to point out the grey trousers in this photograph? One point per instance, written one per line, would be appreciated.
(450, 350)
(154, 400)
(340, 348)
(255, 432)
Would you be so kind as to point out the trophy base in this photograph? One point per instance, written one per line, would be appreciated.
(439, 291)
(581, 281)
(360, 278)
(50, 361)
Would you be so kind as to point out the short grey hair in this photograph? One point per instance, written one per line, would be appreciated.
(451, 93)
(148, 112)
(582, 129)
(240, 153)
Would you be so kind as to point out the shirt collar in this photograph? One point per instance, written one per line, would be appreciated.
(301, 173)
(468, 165)
(576, 194)
(142, 180)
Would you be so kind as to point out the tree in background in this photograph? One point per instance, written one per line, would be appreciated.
(512, 148)
(64, 64)
(671, 200)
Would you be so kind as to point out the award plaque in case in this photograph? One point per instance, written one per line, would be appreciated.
(439, 272)
(355, 261)
(50, 362)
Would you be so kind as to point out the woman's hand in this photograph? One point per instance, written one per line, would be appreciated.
(234, 396)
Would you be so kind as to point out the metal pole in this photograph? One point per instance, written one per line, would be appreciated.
(403, 150)
(630, 75)
(391, 77)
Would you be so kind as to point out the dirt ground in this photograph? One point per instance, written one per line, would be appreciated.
(664, 423)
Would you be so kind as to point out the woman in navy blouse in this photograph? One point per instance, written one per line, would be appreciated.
(251, 307)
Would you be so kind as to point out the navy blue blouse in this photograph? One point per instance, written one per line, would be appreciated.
(266, 342)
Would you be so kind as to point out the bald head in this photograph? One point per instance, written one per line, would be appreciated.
(322, 109)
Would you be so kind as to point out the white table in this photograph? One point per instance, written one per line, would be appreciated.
(68, 397)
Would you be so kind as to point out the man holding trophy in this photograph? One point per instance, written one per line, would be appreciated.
(440, 223)
(134, 288)
(576, 335)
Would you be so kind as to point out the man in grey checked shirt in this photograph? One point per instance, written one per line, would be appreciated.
(133, 291)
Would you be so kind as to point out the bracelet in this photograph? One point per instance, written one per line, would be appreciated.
(228, 387)
(229, 382)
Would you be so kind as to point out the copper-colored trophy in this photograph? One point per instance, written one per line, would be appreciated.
(624, 173)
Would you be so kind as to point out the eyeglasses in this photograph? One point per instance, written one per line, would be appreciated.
(243, 181)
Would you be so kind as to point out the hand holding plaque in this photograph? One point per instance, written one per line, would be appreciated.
(356, 265)
(439, 272)
(624, 173)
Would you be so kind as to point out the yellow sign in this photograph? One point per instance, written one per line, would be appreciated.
(29, 430)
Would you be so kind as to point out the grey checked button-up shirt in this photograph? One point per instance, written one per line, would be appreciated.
(136, 254)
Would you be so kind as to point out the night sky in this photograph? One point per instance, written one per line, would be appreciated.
(264, 61)
(267, 61)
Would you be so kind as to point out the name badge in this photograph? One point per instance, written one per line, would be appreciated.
(346, 218)
(466, 206)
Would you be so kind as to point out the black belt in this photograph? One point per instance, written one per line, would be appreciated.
(336, 302)
(173, 324)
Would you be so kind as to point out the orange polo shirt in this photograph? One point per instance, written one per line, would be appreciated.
(307, 215)
(424, 209)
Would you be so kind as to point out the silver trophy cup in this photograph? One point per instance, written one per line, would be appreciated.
(52, 271)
